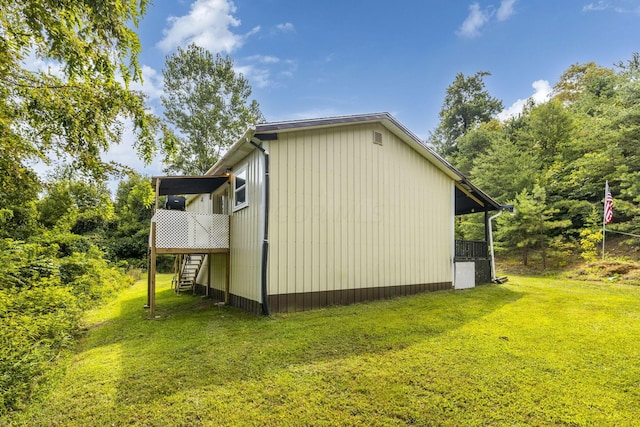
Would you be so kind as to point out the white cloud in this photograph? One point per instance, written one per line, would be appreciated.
(619, 6)
(291, 68)
(505, 10)
(208, 24)
(601, 5)
(475, 21)
(541, 93)
(478, 18)
(287, 27)
(261, 69)
(263, 59)
(258, 76)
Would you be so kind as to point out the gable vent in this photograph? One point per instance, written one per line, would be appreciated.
(377, 138)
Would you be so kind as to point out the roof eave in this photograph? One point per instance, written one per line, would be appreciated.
(238, 150)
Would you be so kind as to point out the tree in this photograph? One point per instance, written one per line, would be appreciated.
(76, 206)
(585, 79)
(474, 143)
(128, 238)
(505, 169)
(208, 104)
(466, 105)
(549, 131)
(76, 108)
(530, 228)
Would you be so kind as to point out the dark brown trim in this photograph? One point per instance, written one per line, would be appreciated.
(286, 303)
(234, 300)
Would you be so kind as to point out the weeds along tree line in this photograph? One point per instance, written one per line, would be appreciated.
(57, 239)
(551, 161)
(64, 248)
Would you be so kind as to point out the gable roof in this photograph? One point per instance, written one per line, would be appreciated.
(468, 197)
(386, 119)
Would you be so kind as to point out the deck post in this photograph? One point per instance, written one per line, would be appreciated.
(486, 225)
(152, 273)
(227, 275)
(148, 304)
(228, 265)
(208, 274)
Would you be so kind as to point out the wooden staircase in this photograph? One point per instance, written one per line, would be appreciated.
(186, 268)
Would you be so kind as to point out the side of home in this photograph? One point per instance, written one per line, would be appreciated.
(333, 211)
(356, 214)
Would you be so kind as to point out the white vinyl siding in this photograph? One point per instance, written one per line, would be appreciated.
(347, 213)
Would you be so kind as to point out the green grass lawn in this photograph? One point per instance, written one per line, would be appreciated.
(531, 352)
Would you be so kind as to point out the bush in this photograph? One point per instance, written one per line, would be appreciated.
(42, 298)
(37, 325)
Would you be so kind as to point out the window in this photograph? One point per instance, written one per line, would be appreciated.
(240, 199)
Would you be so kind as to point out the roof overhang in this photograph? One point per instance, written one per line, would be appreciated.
(180, 185)
(470, 199)
(238, 151)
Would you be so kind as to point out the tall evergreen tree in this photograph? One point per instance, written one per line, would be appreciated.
(530, 228)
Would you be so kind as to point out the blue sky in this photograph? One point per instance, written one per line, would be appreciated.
(309, 59)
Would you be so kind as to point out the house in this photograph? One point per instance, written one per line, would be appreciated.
(303, 214)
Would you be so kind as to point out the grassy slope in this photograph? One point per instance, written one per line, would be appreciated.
(531, 352)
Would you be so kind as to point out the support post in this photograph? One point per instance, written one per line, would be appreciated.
(151, 255)
(208, 274)
(152, 273)
(493, 258)
(227, 285)
(148, 304)
(604, 216)
(228, 275)
(486, 225)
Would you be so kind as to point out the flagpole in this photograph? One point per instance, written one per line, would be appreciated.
(604, 216)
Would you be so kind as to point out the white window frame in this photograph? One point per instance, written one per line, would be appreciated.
(237, 206)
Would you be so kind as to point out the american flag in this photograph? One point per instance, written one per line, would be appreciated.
(608, 204)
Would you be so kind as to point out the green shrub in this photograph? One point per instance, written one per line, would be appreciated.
(23, 263)
(42, 297)
(65, 243)
(36, 325)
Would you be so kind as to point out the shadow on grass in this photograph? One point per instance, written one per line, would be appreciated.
(195, 343)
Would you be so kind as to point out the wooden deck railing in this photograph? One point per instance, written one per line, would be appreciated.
(179, 230)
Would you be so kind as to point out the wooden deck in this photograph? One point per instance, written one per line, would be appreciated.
(190, 232)
(180, 232)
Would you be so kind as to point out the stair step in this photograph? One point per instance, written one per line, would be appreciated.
(189, 269)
